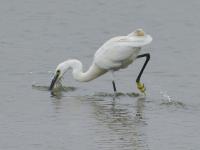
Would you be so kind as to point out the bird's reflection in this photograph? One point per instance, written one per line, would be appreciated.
(124, 119)
(140, 107)
(123, 116)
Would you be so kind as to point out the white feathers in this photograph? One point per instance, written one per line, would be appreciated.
(113, 55)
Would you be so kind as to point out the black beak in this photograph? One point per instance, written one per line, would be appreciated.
(53, 81)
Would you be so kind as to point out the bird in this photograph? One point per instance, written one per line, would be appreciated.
(115, 54)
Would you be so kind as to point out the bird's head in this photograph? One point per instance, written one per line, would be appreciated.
(59, 72)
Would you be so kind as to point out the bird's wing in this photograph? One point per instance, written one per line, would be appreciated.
(114, 52)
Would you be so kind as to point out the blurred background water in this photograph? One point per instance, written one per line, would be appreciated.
(36, 35)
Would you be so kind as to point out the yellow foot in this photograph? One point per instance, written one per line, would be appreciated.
(141, 87)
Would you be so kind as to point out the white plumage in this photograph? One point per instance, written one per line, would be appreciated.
(119, 52)
(115, 54)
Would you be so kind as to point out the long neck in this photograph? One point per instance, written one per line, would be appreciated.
(77, 70)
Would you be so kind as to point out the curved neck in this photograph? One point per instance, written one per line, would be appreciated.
(77, 70)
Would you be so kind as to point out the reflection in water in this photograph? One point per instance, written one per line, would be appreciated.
(121, 116)
(118, 94)
(140, 107)
(120, 119)
(123, 121)
(56, 92)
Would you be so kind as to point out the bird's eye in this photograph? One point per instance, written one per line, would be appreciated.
(58, 71)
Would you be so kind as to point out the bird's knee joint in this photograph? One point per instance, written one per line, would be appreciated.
(148, 56)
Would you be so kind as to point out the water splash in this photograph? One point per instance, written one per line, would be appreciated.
(59, 88)
(166, 96)
(169, 101)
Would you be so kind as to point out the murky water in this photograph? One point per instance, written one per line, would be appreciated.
(36, 35)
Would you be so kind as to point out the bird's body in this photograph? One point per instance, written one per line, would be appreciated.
(110, 56)
(117, 53)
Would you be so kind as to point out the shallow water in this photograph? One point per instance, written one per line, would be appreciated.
(36, 35)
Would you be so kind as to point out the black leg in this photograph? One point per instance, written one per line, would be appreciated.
(139, 85)
(114, 87)
(147, 55)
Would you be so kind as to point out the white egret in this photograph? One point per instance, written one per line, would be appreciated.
(117, 53)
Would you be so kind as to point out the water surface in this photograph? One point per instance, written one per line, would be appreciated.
(37, 35)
